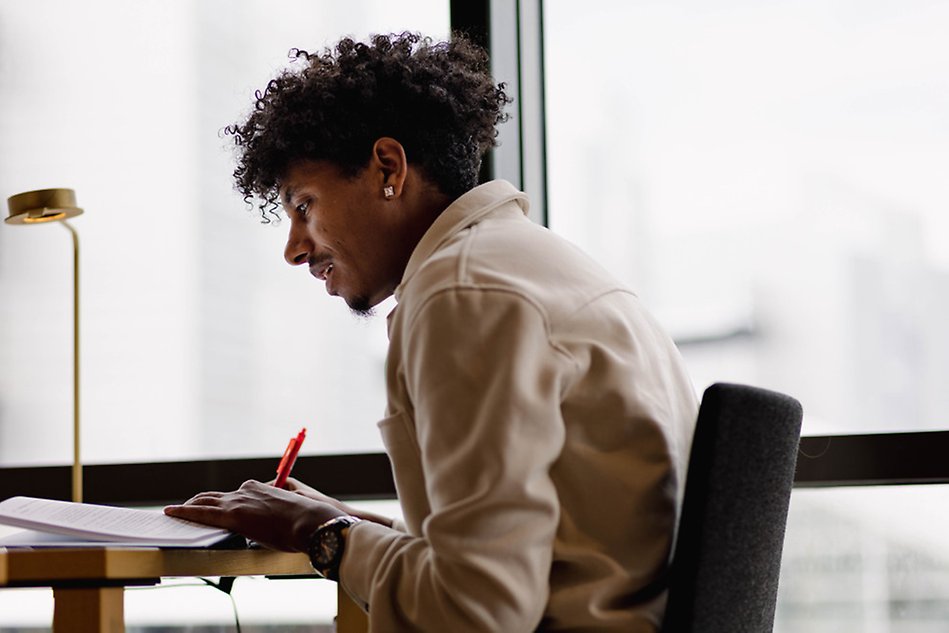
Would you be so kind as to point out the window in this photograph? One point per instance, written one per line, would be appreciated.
(198, 341)
(769, 177)
(865, 559)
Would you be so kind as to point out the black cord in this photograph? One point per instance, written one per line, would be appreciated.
(224, 585)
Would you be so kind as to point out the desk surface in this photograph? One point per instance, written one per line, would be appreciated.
(52, 566)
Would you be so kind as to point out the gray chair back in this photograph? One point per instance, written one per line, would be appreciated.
(727, 557)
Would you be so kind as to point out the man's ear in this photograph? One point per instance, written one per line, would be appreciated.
(388, 159)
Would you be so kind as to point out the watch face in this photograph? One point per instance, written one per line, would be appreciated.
(328, 546)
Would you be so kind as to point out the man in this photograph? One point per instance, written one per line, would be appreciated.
(538, 420)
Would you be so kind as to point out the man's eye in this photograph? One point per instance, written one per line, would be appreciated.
(302, 208)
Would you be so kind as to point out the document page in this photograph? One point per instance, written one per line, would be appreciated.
(106, 524)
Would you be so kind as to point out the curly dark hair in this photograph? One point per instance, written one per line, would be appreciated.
(436, 98)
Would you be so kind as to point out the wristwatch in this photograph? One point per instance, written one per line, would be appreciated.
(326, 544)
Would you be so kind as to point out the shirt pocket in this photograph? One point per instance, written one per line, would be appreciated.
(402, 447)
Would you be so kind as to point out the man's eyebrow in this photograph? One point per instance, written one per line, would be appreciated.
(288, 195)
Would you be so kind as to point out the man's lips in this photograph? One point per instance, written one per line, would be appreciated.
(322, 269)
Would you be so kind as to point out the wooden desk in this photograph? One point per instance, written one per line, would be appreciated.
(88, 583)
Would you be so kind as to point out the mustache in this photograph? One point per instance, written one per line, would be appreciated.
(317, 260)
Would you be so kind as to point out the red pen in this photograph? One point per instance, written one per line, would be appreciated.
(289, 458)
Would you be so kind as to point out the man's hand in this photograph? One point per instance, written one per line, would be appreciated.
(276, 518)
(297, 486)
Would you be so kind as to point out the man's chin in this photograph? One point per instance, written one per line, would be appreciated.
(360, 306)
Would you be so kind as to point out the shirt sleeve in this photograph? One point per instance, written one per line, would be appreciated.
(485, 382)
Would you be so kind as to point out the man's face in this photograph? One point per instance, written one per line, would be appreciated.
(341, 228)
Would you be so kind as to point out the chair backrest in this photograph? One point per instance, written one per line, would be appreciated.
(727, 557)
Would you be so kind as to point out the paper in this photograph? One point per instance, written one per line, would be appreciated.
(90, 524)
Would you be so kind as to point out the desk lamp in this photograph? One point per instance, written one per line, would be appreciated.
(56, 205)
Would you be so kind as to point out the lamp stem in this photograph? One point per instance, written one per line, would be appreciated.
(76, 463)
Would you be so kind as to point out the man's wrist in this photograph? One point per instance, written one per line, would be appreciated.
(327, 544)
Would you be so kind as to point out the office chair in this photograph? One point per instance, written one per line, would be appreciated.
(727, 556)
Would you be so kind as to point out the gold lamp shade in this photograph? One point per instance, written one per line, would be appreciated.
(44, 205)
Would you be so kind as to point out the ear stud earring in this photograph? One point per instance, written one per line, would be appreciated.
(388, 191)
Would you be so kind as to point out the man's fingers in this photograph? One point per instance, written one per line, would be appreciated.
(208, 515)
(198, 507)
(205, 498)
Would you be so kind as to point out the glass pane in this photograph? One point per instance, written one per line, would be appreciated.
(770, 178)
(865, 559)
(197, 339)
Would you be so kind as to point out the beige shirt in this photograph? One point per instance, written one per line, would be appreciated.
(539, 424)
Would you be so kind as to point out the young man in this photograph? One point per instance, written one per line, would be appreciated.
(538, 421)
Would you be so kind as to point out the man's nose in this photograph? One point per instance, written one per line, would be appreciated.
(298, 247)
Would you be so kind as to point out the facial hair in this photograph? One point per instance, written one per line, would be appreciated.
(361, 308)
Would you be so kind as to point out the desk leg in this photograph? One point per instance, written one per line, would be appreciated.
(349, 617)
(89, 610)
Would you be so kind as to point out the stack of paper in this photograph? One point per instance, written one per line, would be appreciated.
(62, 524)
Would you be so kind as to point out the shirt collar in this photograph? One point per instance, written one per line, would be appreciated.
(466, 211)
